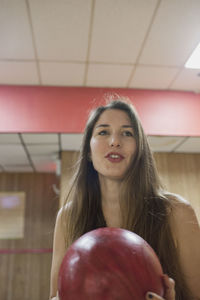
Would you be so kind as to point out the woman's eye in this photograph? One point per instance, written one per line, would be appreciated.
(103, 132)
(127, 133)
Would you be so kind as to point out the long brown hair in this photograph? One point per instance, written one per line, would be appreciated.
(145, 206)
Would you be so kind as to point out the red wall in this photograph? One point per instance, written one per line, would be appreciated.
(65, 109)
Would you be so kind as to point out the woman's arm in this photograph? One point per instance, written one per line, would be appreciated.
(186, 230)
(58, 254)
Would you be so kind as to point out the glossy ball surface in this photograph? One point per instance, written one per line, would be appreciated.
(109, 264)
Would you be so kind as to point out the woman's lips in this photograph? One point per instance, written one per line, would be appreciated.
(114, 157)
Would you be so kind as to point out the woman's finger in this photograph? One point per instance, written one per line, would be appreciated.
(153, 296)
(169, 288)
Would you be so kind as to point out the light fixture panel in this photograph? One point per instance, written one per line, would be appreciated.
(194, 60)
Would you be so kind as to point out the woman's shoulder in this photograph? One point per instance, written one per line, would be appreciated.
(61, 215)
(178, 203)
(182, 213)
(63, 209)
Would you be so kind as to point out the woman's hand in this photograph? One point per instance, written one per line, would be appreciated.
(55, 298)
(169, 290)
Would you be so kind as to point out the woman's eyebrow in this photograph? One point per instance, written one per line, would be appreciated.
(107, 125)
(102, 125)
(127, 126)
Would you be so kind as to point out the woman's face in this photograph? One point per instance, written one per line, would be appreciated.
(112, 145)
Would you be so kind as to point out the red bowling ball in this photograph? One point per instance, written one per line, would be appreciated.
(109, 264)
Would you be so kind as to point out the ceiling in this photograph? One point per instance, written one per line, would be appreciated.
(110, 43)
(103, 43)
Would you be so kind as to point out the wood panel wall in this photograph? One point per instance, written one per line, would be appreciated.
(180, 173)
(69, 159)
(26, 276)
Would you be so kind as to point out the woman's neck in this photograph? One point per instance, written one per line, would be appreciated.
(110, 202)
(110, 190)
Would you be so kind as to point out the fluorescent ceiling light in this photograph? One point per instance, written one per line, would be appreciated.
(194, 60)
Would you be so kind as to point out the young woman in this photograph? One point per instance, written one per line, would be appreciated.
(116, 185)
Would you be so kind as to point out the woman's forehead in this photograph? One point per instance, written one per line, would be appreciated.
(114, 115)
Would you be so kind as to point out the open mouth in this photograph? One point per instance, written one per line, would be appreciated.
(114, 157)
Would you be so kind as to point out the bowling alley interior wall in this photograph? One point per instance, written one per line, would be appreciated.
(68, 165)
(180, 174)
(23, 273)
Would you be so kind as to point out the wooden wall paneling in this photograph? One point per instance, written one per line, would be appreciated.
(5, 263)
(68, 164)
(26, 276)
(180, 174)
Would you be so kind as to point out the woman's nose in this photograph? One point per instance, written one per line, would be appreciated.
(115, 141)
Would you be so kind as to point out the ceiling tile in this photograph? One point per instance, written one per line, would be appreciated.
(48, 150)
(191, 145)
(39, 138)
(18, 168)
(119, 28)
(43, 159)
(18, 73)
(63, 74)
(164, 143)
(61, 28)
(108, 75)
(71, 141)
(12, 154)
(174, 34)
(46, 168)
(15, 33)
(153, 77)
(44, 163)
(188, 79)
(9, 138)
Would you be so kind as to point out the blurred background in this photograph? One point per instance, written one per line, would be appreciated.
(57, 61)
